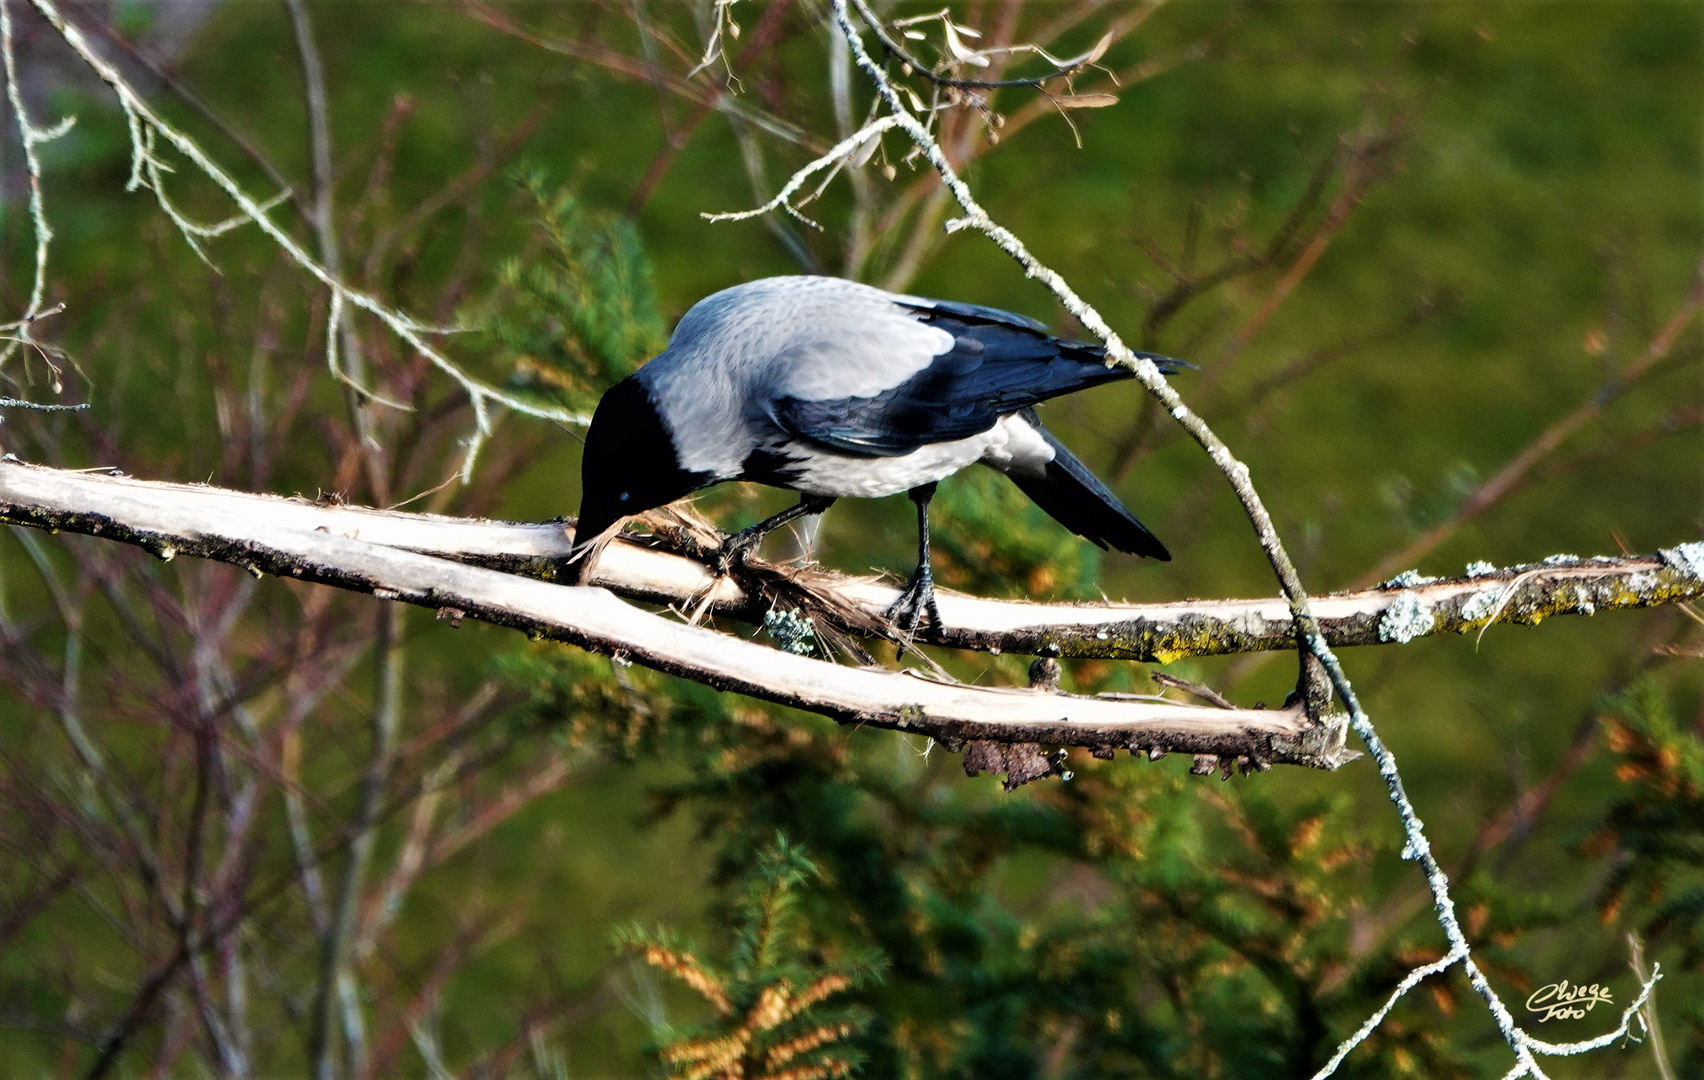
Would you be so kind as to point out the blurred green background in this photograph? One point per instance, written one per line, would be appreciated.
(1401, 241)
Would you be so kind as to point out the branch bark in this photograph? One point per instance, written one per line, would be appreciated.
(484, 569)
(296, 539)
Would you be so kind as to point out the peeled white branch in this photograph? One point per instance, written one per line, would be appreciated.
(363, 551)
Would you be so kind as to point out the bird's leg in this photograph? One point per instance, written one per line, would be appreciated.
(918, 598)
(736, 547)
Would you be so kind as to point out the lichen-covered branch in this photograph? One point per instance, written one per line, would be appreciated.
(1320, 675)
(30, 137)
(662, 569)
(1419, 849)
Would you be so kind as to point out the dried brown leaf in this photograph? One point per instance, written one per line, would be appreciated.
(1085, 101)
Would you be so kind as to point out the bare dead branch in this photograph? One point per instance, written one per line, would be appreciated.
(179, 518)
(233, 530)
(1063, 68)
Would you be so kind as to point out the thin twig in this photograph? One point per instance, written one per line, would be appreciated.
(36, 406)
(1307, 629)
(836, 156)
(1064, 68)
(1409, 982)
(30, 137)
(147, 127)
(172, 82)
(343, 356)
(1648, 1015)
(336, 989)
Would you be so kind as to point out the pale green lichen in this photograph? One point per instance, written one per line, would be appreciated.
(791, 631)
(1480, 569)
(1253, 624)
(1407, 618)
(1480, 605)
(1408, 579)
(1686, 557)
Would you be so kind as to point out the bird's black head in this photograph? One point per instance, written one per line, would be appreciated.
(629, 466)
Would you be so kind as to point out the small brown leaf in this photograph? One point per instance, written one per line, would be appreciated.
(1085, 101)
(1095, 53)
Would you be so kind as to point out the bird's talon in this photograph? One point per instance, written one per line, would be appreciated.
(735, 549)
(916, 602)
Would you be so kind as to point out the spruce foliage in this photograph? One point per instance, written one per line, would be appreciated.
(577, 311)
(777, 1005)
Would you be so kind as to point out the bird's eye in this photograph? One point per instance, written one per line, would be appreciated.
(624, 496)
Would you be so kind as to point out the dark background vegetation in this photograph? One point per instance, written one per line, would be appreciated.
(1443, 228)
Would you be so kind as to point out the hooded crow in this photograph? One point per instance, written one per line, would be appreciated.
(835, 389)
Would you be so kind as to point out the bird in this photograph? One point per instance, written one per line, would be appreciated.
(835, 389)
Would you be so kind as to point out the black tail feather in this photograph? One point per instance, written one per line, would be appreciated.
(1076, 498)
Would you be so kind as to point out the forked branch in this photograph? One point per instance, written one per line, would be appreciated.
(366, 552)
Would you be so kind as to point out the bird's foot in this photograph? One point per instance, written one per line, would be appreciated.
(735, 549)
(916, 601)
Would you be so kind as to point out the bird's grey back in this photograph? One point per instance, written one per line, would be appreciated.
(808, 338)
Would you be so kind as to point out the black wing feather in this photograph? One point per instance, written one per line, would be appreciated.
(999, 364)
(1076, 498)
(975, 313)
